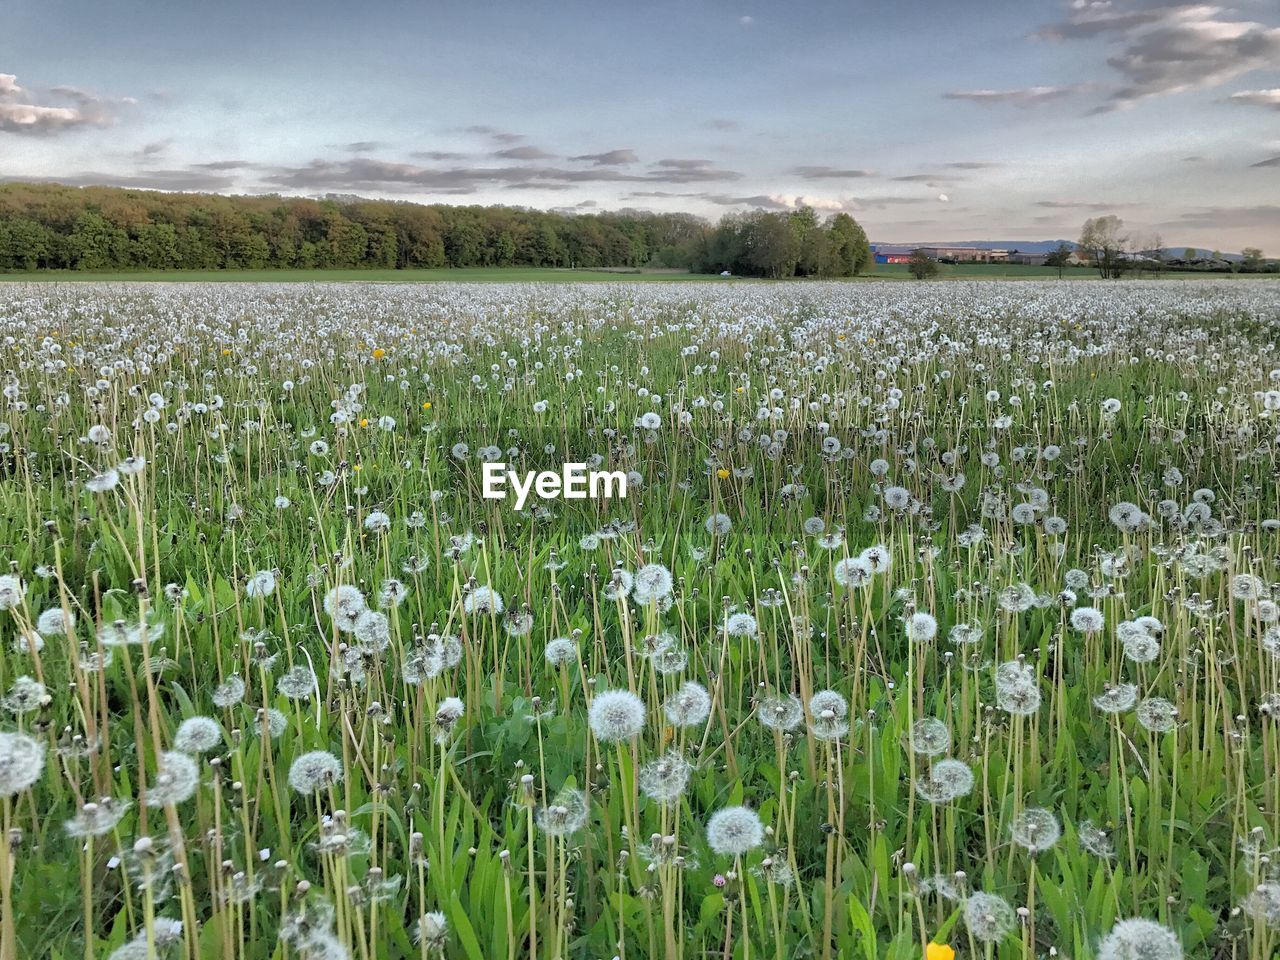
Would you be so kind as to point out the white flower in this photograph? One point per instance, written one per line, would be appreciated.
(616, 715)
(734, 831)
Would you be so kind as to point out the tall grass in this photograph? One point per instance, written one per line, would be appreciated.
(933, 615)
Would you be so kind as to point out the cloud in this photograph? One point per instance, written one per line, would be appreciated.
(437, 155)
(610, 158)
(1270, 162)
(684, 164)
(500, 136)
(1021, 97)
(1264, 217)
(831, 173)
(222, 165)
(188, 180)
(523, 153)
(361, 146)
(364, 173)
(746, 21)
(1093, 19)
(723, 124)
(872, 203)
(1170, 47)
(760, 201)
(972, 165)
(155, 147)
(924, 177)
(20, 113)
(1077, 205)
(1258, 98)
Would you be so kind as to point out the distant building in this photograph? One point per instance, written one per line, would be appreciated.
(893, 258)
(1028, 259)
(966, 255)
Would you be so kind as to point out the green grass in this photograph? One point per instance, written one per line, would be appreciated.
(1004, 271)
(310, 433)
(469, 275)
(966, 271)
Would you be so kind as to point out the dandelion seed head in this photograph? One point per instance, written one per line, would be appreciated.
(734, 831)
(616, 715)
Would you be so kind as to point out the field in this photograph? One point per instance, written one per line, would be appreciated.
(452, 275)
(936, 617)
(894, 271)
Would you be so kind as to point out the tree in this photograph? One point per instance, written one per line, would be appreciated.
(51, 226)
(1059, 258)
(771, 246)
(813, 244)
(850, 246)
(1252, 261)
(1158, 252)
(1190, 253)
(95, 243)
(922, 266)
(1105, 240)
(546, 247)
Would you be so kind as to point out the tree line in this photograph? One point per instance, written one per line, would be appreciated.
(56, 227)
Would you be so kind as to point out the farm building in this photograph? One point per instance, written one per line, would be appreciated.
(966, 254)
(891, 252)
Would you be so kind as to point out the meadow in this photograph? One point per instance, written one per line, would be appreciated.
(939, 620)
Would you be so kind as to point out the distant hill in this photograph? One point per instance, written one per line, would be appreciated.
(1037, 246)
(1022, 246)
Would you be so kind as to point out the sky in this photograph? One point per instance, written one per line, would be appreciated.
(927, 120)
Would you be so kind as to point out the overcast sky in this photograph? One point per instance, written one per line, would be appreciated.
(926, 119)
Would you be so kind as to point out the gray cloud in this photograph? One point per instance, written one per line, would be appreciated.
(760, 201)
(1021, 97)
(501, 136)
(610, 158)
(1270, 162)
(684, 164)
(1264, 217)
(222, 165)
(155, 148)
(20, 113)
(870, 203)
(437, 155)
(1077, 205)
(1170, 47)
(363, 173)
(361, 146)
(184, 180)
(831, 173)
(924, 177)
(523, 153)
(1258, 98)
(1094, 19)
(972, 165)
